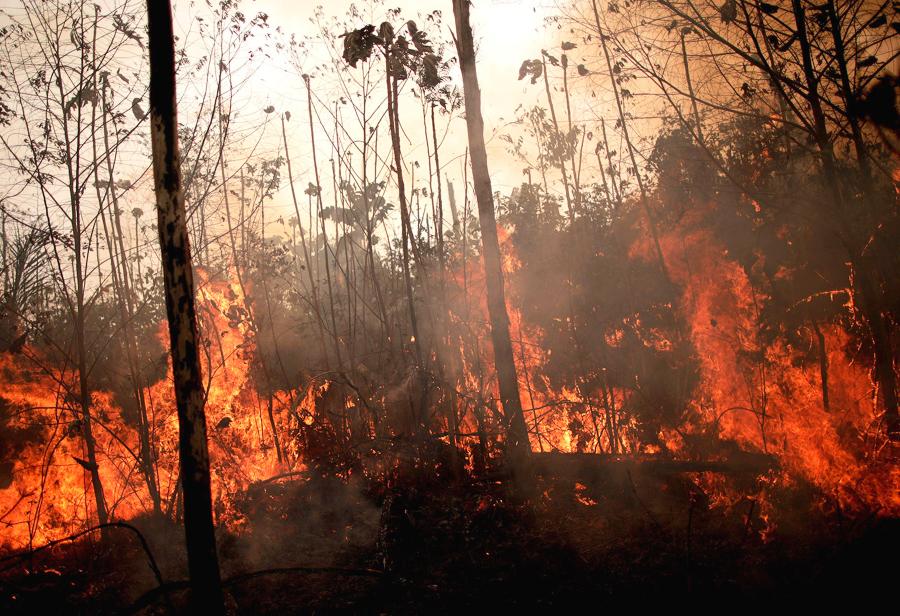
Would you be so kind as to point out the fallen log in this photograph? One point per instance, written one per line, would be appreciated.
(587, 465)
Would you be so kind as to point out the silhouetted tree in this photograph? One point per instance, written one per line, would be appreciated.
(178, 279)
(517, 432)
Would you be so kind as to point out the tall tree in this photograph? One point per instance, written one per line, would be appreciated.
(178, 280)
(517, 432)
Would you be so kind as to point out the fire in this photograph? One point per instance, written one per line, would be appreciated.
(48, 493)
(758, 396)
(762, 397)
(563, 419)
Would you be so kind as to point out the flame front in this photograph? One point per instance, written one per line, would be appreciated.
(757, 395)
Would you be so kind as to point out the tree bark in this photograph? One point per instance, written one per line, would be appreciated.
(203, 565)
(517, 432)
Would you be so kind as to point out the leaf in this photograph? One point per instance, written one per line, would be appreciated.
(287, 116)
(269, 109)
(429, 75)
(879, 104)
(768, 9)
(567, 46)
(419, 39)
(787, 44)
(85, 95)
(340, 214)
(139, 113)
(878, 21)
(358, 44)
(126, 29)
(582, 71)
(534, 68)
(728, 11)
(386, 33)
(870, 61)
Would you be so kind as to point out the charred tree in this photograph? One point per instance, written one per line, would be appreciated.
(178, 281)
(517, 432)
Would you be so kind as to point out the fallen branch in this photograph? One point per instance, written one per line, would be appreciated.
(588, 465)
(144, 545)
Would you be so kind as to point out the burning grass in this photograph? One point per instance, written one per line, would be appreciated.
(749, 486)
(427, 543)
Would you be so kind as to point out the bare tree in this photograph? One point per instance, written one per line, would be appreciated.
(517, 432)
(178, 279)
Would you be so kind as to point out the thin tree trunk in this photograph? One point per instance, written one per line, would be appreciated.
(178, 278)
(823, 364)
(121, 294)
(576, 170)
(406, 238)
(312, 139)
(840, 56)
(616, 189)
(690, 87)
(562, 164)
(517, 432)
(864, 275)
(78, 312)
(306, 256)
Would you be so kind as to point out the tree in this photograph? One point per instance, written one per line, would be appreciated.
(57, 62)
(178, 280)
(805, 71)
(517, 432)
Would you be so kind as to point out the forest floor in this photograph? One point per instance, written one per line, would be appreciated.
(428, 545)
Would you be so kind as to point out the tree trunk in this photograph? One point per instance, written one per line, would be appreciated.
(203, 565)
(864, 275)
(517, 432)
(407, 238)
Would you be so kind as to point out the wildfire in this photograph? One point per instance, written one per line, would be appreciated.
(762, 397)
(758, 396)
(46, 494)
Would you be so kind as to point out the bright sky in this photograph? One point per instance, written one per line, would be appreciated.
(506, 32)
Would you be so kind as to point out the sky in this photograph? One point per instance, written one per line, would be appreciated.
(506, 33)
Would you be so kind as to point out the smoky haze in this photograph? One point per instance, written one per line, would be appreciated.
(691, 382)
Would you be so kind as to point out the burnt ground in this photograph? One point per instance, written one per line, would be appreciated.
(430, 545)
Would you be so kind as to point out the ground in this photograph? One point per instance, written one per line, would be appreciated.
(427, 544)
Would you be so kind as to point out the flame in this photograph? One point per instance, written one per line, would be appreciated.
(49, 495)
(759, 396)
(762, 396)
(561, 419)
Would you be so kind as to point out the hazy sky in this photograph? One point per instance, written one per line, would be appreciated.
(506, 32)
